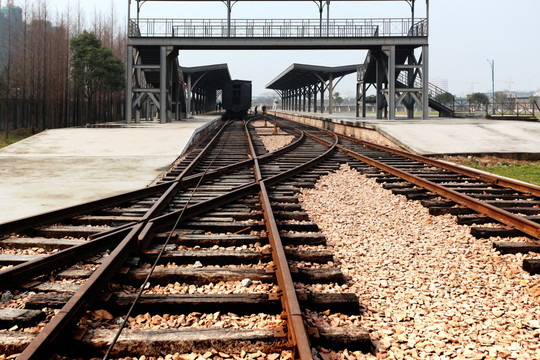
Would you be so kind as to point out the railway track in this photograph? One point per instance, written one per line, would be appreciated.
(222, 239)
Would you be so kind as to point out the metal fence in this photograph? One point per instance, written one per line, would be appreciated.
(277, 28)
(510, 108)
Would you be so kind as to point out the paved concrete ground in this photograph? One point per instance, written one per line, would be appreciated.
(453, 136)
(64, 167)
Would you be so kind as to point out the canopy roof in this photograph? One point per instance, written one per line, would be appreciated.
(300, 75)
(209, 77)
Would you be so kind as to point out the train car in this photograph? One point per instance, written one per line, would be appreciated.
(236, 99)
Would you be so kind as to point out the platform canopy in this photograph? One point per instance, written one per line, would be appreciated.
(300, 75)
(208, 77)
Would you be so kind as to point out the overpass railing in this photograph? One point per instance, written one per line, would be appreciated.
(277, 28)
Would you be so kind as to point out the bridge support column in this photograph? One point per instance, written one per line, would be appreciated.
(309, 99)
(129, 84)
(364, 102)
(322, 98)
(330, 93)
(163, 85)
(188, 97)
(425, 82)
(410, 84)
(392, 83)
(137, 114)
(379, 80)
(315, 98)
(357, 102)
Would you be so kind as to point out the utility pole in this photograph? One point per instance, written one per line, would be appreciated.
(492, 64)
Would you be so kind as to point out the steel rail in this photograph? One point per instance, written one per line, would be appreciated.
(212, 174)
(173, 189)
(297, 332)
(197, 209)
(524, 225)
(488, 178)
(21, 273)
(25, 223)
(196, 161)
(25, 271)
(54, 330)
(61, 214)
(88, 292)
(45, 218)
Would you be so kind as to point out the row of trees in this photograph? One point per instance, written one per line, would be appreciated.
(480, 98)
(52, 69)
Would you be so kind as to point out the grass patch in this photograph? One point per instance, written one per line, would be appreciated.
(14, 136)
(528, 171)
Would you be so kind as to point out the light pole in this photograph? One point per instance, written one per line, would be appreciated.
(492, 64)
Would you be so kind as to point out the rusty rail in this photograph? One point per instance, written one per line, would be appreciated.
(54, 330)
(522, 224)
(296, 329)
(488, 178)
(141, 232)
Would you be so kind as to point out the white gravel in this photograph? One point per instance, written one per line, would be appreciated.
(270, 140)
(432, 290)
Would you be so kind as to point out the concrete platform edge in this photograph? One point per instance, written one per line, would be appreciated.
(350, 127)
(200, 134)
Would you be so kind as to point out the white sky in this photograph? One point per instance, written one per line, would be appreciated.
(463, 35)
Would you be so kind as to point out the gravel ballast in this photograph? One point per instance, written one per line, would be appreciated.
(432, 290)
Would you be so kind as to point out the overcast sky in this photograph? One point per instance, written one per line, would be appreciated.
(463, 35)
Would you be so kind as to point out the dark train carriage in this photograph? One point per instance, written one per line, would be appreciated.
(236, 99)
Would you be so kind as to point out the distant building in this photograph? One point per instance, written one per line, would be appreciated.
(11, 27)
(439, 82)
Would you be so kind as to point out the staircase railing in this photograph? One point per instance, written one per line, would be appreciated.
(436, 93)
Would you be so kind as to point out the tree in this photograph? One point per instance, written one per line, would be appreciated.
(478, 99)
(338, 100)
(500, 97)
(445, 98)
(94, 68)
(371, 99)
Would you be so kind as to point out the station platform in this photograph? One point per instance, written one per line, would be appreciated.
(519, 139)
(64, 167)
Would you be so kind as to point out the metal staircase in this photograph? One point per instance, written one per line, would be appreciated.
(408, 92)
